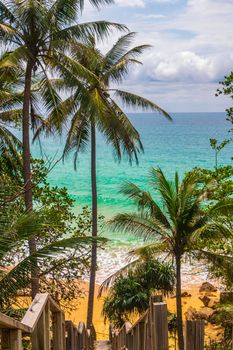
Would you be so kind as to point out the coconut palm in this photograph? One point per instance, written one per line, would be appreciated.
(37, 33)
(172, 222)
(92, 106)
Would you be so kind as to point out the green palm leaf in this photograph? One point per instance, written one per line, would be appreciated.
(132, 100)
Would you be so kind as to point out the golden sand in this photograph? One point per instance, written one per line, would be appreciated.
(80, 314)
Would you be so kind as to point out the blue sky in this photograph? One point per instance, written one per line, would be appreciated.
(192, 49)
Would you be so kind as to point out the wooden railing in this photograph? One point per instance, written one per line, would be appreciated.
(150, 332)
(79, 338)
(45, 328)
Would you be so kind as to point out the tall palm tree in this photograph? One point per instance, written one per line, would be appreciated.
(169, 223)
(92, 106)
(37, 33)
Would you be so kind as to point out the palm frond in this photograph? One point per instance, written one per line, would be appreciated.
(119, 48)
(109, 281)
(20, 277)
(144, 202)
(132, 100)
(83, 31)
(141, 225)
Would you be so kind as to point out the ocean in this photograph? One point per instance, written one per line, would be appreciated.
(173, 146)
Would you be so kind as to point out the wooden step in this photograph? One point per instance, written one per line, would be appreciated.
(102, 345)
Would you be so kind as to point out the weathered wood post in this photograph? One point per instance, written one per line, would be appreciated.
(70, 339)
(58, 331)
(129, 340)
(159, 330)
(194, 335)
(81, 336)
(11, 339)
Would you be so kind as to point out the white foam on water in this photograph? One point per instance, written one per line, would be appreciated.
(116, 256)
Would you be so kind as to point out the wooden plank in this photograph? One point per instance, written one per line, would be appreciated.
(194, 335)
(70, 338)
(41, 335)
(81, 336)
(34, 312)
(129, 340)
(141, 329)
(58, 331)
(160, 326)
(5, 339)
(47, 326)
(15, 339)
(54, 307)
(9, 323)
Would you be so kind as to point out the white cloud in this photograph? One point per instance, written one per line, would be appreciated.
(192, 49)
(150, 16)
(186, 66)
(141, 3)
(130, 3)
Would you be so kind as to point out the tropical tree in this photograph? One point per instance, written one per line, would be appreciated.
(35, 34)
(91, 106)
(170, 222)
(130, 294)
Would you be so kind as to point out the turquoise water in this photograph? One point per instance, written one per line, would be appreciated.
(180, 145)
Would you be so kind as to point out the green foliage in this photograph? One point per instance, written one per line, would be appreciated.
(59, 273)
(170, 226)
(217, 184)
(93, 103)
(218, 346)
(131, 294)
(227, 90)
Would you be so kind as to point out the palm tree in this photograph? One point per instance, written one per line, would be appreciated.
(91, 106)
(37, 32)
(171, 222)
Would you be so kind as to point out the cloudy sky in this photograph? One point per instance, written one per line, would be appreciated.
(192, 49)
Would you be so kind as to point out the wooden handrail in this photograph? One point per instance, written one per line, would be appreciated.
(35, 310)
(151, 332)
(7, 322)
(45, 322)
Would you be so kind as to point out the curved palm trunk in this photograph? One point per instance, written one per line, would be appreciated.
(179, 304)
(27, 166)
(94, 228)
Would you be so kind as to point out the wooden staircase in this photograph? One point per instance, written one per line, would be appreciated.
(102, 345)
(44, 328)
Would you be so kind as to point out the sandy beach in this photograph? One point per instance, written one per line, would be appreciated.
(102, 328)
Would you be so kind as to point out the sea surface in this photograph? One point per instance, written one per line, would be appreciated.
(173, 146)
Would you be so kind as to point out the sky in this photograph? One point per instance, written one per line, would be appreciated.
(192, 49)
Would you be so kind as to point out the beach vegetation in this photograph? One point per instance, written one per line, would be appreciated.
(36, 35)
(170, 224)
(60, 274)
(226, 89)
(131, 292)
(14, 234)
(93, 106)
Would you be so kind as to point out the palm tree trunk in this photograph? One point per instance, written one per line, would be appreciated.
(27, 167)
(179, 304)
(94, 228)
